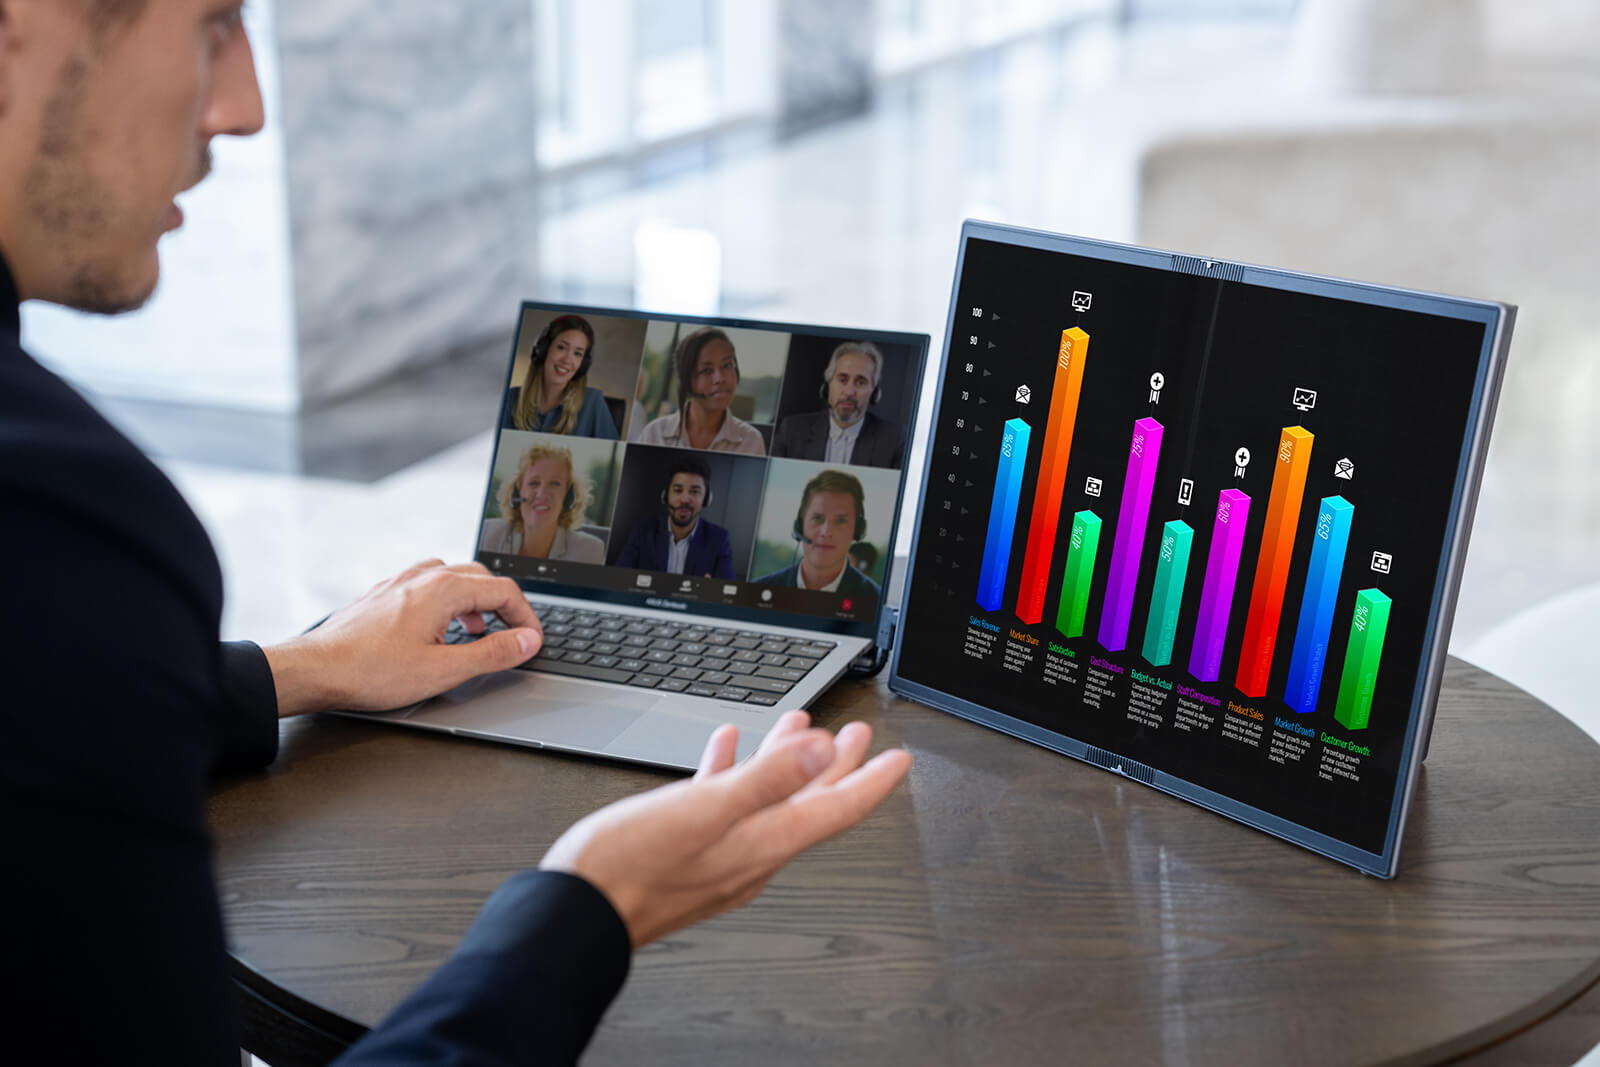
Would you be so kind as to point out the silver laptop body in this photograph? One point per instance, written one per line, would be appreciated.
(625, 670)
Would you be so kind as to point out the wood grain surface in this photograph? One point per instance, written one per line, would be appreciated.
(1008, 906)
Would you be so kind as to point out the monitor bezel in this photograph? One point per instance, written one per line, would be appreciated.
(1497, 318)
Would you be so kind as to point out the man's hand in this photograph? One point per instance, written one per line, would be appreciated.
(387, 649)
(693, 849)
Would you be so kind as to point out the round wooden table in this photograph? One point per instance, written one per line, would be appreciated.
(1010, 906)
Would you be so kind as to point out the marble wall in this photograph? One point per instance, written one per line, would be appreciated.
(410, 133)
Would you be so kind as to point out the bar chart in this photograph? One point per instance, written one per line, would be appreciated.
(1311, 635)
(1082, 548)
(1172, 567)
(1272, 570)
(1216, 593)
(1144, 454)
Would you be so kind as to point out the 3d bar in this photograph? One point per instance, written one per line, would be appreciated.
(1272, 567)
(1177, 538)
(1003, 515)
(1311, 633)
(1216, 591)
(1052, 482)
(1144, 452)
(1079, 571)
(1361, 659)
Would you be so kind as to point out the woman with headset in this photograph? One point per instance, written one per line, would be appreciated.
(544, 504)
(555, 396)
(708, 376)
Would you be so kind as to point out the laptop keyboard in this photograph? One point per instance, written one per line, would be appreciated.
(705, 661)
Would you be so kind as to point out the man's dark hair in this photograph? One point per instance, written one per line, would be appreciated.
(690, 465)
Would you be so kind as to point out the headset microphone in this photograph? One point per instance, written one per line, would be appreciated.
(517, 499)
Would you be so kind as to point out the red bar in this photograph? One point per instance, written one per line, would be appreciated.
(1052, 482)
(1272, 569)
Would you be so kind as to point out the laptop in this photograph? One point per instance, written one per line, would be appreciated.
(1201, 524)
(702, 511)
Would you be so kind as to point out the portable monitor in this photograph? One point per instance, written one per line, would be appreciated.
(1201, 523)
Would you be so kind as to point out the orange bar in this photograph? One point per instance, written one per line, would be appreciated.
(1272, 569)
(1052, 481)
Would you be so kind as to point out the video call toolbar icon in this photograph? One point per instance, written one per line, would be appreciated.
(1081, 301)
(642, 581)
(730, 590)
(1304, 399)
(1092, 487)
(1382, 562)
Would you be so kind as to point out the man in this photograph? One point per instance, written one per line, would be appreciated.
(680, 541)
(846, 433)
(115, 721)
(832, 517)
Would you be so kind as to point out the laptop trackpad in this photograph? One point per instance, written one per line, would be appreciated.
(536, 707)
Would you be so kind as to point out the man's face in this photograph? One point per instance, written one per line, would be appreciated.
(829, 523)
(716, 375)
(850, 388)
(544, 489)
(121, 124)
(686, 496)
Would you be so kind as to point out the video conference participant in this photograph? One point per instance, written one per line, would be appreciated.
(545, 504)
(680, 541)
(555, 396)
(845, 432)
(831, 518)
(708, 376)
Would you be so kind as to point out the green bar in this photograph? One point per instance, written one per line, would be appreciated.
(1361, 658)
(1075, 577)
(1177, 538)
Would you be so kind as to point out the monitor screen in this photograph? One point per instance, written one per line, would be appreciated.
(1200, 518)
(749, 470)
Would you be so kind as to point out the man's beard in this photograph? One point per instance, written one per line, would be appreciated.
(72, 207)
(853, 417)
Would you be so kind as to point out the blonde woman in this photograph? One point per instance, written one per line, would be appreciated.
(544, 504)
(555, 396)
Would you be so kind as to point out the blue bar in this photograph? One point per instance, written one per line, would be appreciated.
(1003, 515)
(1316, 610)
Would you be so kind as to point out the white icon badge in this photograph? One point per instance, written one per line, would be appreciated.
(1081, 301)
(1092, 487)
(1344, 469)
(1382, 562)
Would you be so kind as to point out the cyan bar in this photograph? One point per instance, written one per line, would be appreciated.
(1177, 538)
(1133, 516)
(1311, 633)
(1003, 515)
(1216, 593)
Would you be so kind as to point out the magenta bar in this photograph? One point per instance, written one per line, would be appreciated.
(1144, 452)
(1216, 593)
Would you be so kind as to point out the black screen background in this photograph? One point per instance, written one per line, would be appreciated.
(1394, 395)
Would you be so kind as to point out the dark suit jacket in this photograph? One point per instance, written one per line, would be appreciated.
(120, 706)
(881, 444)
(710, 549)
(853, 584)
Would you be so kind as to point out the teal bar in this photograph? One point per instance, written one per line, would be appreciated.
(1177, 538)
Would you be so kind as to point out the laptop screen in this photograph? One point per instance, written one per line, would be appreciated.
(741, 469)
(1200, 522)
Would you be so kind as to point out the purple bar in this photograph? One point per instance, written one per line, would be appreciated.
(1216, 594)
(1143, 454)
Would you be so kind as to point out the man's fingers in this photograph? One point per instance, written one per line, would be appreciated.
(719, 751)
(822, 813)
(468, 592)
(774, 774)
(496, 652)
(849, 749)
(790, 722)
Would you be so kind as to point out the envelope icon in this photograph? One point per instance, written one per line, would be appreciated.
(1024, 394)
(1344, 469)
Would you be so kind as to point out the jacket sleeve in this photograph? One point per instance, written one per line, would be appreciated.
(528, 984)
(248, 728)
